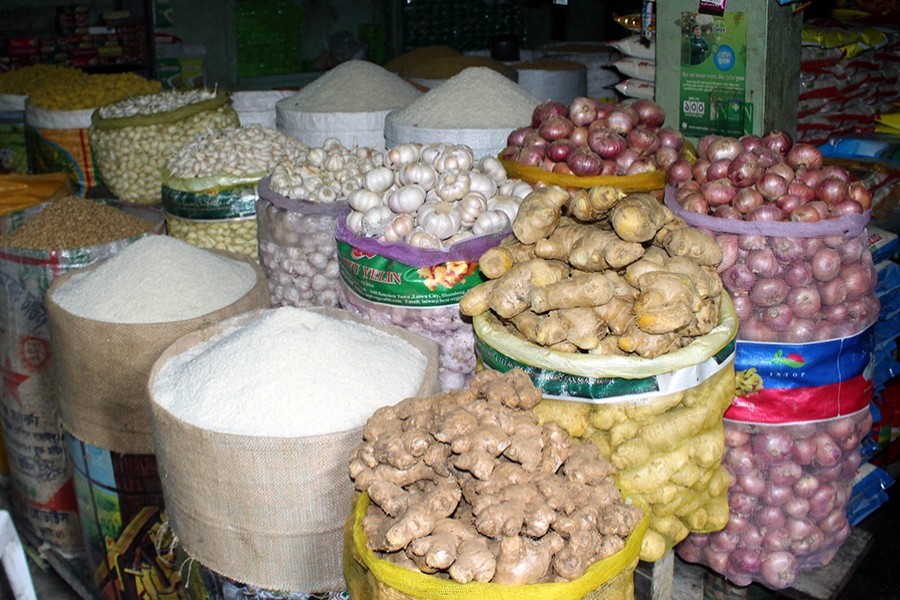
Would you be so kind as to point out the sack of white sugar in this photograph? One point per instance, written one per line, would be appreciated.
(109, 323)
(254, 420)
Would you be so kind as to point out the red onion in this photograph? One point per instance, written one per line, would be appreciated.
(857, 278)
(796, 507)
(547, 109)
(738, 278)
(803, 155)
(669, 138)
(625, 160)
(689, 552)
(718, 192)
(801, 331)
(820, 207)
(696, 203)
(729, 245)
(583, 162)
(737, 523)
(739, 460)
(531, 156)
(804, 451)
(786, 473)
(836, 313)
(778, 317)
(811, 246)
(752, 538)
(643, 141)
(858, 311)
(778, 569)
(701, 165)
(828, 453)
(762, 262)
(807, 485)
(772, 446)
(751, 142)
(754, 330)
(831, 190)
(510, 153)
(641, 165)
(772, 186)
(703, 144)
(787, 249)
(805, 214)
(650, 114)
(826, 264)
(724, 147)
(833, 292)
(807, 536)
(826, 475)
(752, 242)
(742, 307)
(722, 541)
(778, 141)
(852, 250)
(821, 502)
(716, 560)
(859, 192)
(802, 191)
(770, 517)
(620, 120)
(783, 170)
(798, 274)
(665, 157)
(579, 136)
(846, 207)
(548, 164)
(609, 168)
(556, 128)
(534, 139)
(788, 203)
(563, 168)
(726, 211)
(776, 539)
(767, 157)
(559, 150)
(747, 199)
(774, 496)
(583, 111)
(766, 212)
(744, 170)
(811, 176)
(517, 137)
(804, 301)
(678, 172)
(718, 169)
(742, 504)
(606, 143)
(735, 437)
(836, 171)
(768, 291)
(833, 521)
(752, 483)
(745, 562)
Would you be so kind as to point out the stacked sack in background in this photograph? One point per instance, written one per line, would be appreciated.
(848, 76)
(638, 66)
(797, 265)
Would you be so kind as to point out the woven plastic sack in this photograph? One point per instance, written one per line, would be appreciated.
(790, 486)
(416, 289)
(218, 211)
(659, 421)
(297, 250)
(257, 107)
(131, 152)
(483, 142)
(371, 578)
(57, 140)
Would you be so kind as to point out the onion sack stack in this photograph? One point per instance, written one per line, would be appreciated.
(613, 306)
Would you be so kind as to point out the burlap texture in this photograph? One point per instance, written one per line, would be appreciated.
(102, 368)
(266, 511)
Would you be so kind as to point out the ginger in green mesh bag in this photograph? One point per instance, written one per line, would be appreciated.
(471, 497)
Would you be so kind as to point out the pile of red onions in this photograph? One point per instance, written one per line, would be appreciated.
(765, 179)
(799, 290)
(589, 138)
(789, 488)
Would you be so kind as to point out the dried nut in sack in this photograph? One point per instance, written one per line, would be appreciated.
(234, 235)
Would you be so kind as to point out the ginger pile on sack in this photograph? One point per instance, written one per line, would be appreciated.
(467, 485)
(601, 272)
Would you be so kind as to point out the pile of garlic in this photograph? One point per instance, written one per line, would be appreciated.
(433, 196)
(325, 174)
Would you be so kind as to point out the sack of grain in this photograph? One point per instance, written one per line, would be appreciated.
(257, 107)
(40, 244)
(597, 58)
(253, 420)
(349, 102)
(476, 108)
(553, 79)
(133, 139)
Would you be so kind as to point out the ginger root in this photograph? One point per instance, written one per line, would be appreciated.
(638, 217)
(539, 213)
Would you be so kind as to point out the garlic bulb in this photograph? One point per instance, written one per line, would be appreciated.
(418, 173)
(452, 185)
(431, 152)
(401, 154)
(440, 219)
(506, 203)
(376, 219)
(493, 168)
(479, 182)
(355, 222)
(455, 157)
(379, 179)
(423, 239)
(363, 199)
(490, 221)
(406, 199)
(398, 229)
(470, 207)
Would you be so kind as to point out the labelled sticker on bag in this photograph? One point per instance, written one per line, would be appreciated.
(380, 279)
(786, 383)
(600, 390)
(221, 203)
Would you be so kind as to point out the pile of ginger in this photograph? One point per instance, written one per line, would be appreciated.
(600, 272)
(467, 485)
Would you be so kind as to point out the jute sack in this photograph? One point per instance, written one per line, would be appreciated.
(101, 368)
(263, 510)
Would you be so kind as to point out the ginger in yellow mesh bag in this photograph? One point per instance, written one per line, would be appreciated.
(371, 578)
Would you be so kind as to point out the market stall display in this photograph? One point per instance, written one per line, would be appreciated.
(108, 325)
(475, 108)
(408, 248)
(209, 185)
(469, 484)
(40, 244)
(236, 407)
(297, 213)
(132, 139)
(349, 102)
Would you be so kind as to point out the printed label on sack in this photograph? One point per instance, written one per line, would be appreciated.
(599, 390)
(66, 150)
(379, 279)
(223, 203)
(786, 383)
